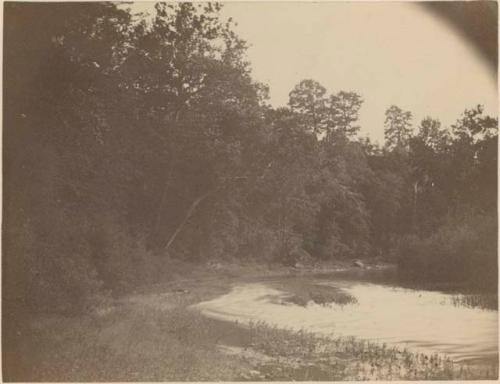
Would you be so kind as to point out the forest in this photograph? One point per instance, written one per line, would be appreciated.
(131, 145)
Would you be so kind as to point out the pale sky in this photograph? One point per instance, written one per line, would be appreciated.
(389, 52)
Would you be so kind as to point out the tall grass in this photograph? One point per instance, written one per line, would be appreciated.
(305, 356)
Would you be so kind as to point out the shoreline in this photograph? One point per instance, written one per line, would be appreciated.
(155, 335)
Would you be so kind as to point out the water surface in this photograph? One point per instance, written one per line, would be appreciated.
(422, 321)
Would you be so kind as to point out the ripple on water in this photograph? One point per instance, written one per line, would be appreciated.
(422, 321)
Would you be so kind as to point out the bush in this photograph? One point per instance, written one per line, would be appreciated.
(50, 268)
(463, 251)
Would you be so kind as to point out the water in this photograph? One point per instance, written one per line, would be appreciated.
(421, 321)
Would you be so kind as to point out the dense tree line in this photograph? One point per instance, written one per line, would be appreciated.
(130, 144)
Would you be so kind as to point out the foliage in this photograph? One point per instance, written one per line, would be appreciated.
(464, 251)
(129, 144)
(307, 99)
(343, 109)
(397, 127)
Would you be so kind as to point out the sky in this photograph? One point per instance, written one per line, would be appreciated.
(389, 52)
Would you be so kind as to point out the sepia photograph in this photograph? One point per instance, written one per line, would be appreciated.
(249, 191)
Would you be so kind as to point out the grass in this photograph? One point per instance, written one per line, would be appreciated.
(483, 301)
(305, 356)
(133, 342)
(154, 336)
(181, 345)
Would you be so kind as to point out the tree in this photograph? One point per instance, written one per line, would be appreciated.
(343, 112)
(308, 100)
(471, 175)
(286, 196)
(474, 125)
(426, 157)
(431, 133)
(397, 127)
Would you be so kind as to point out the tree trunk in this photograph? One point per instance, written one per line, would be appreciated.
(415, 196)
(189, 213)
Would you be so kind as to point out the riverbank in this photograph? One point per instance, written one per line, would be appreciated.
(155, 335)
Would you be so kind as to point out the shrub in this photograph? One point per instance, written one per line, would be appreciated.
(463, 251)
(54, 267)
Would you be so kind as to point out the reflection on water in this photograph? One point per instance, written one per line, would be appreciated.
(422, 321)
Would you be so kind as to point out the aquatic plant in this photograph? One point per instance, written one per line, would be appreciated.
(302, 355)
